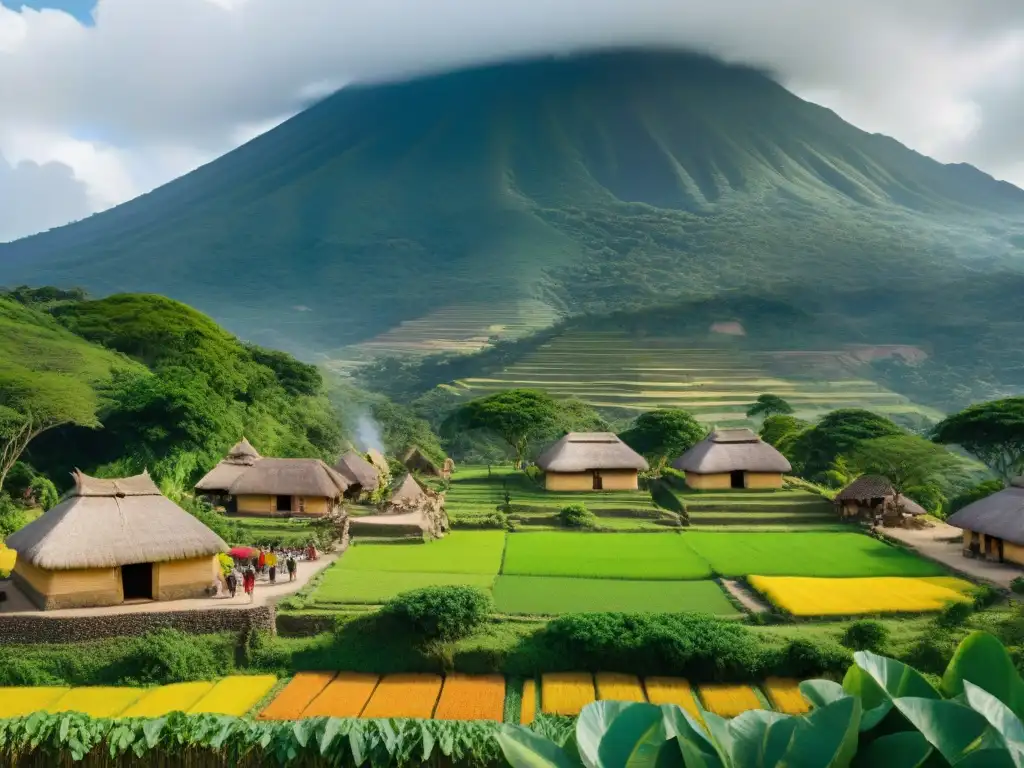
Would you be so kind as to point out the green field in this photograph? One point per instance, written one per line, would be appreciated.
(834, 555)
(348, 586)
(604, 555)
(547, 595)
(287, 532)
(464, 552)
(715, 378)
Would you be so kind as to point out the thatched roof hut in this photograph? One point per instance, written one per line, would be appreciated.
(290, 477)
(358, 471)
(412, 511)
(416, 461)
(733, 458)
(379, 461)
(583, 461)
(219, 479)
(111, 540)
(994, 526)
(408, 493)
(869, 494)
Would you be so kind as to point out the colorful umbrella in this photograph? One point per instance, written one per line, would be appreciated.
(242, 553)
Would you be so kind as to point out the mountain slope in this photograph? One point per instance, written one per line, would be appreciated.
(592, 183)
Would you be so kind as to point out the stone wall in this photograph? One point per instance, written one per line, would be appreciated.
(53, 629)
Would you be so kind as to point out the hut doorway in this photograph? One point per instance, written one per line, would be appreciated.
(598, 482)
(284, 504)
(737, 479)
(137, 581)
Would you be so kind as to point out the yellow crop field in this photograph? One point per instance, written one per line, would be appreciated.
(7, 559)
(848, 597)
(528, 709)
(178, 697)
(235, 695)
(672, 690)
(472, 697)
(615, 687)
(784, 694)
(404, 696)
(96, 701)
(292, 701)
(345, 696)
(18, 701)
(729, 700)
(566, 693)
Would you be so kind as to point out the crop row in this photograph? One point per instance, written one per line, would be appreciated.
(872, 595)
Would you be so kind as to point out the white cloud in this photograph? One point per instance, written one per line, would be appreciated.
(162, 86)
(37, 197)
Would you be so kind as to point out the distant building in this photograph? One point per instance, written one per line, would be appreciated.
(363, 476)
(110, 541)
(994, 526)
(732, 459)
(416, 461)
(871, 496)
(591, 461)
(249, 484)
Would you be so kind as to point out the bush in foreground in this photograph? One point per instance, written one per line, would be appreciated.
(577, 516)
(865, 635)
(439, 613)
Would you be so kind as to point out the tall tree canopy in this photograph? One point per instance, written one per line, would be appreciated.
(909, 461)
(780, 431)
(769, 405)
(663, 435)
(837, 433)
(992, 431)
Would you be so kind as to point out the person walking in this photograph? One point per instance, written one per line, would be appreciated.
(261, 562)
(292, 567)
(233, 581)
(272, 565)
(250, 583)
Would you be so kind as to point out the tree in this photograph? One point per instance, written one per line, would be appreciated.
(781, 431)
(516, 415)
(769, 405)
(663, 435)
(837, 433)
(992, 431)
(907, 461)
(32, 402)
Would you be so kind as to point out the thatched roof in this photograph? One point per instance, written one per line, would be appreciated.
(730, 450)
(408, 493)
(584, 451)
(416, 461)
(289, 477)
(110, 523)
(378, 460)
(868, 487)
(1000, 515)
(219, 479)
(358, 470)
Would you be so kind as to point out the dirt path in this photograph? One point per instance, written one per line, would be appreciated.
(265, 593)
(934, 543)
(745, 596)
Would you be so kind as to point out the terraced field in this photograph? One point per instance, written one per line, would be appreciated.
(478, 491)
(714, 380)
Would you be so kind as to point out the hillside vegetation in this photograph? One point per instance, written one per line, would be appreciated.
(590, 184)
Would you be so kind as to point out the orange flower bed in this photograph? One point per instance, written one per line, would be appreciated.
(566, 693)
(785, 696)
(292, 701)
(472, 697)
(612, 686)
(528, 709)
(729, 700)
(345, 696)
(672, 690)
(404, 696)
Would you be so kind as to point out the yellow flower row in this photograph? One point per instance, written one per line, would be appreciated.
(179, 697)
(672, 690)
(472, 697)
(345, 696)
(615, 687)
(528, 709)
(235, 695)
(566, 693)
(295, 697)
(404, 696)
(785, 696)
(729, 700)
(848, 597)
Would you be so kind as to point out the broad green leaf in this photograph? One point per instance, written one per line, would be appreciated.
(821, 693)
(954, 729)
(877, 680)
(908, 749)
(983, 660)
(593, 724)
(827, 737)
(748, 733)
(634, 737)
(525, 749)
(696, 748)
(999, 716)
(718, 731)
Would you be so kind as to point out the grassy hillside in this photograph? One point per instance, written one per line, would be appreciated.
(585, 184)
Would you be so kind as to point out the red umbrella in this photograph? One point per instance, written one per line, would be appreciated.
(242, 553)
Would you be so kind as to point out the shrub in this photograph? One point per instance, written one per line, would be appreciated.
(691, 645)
(986, 595)
(1017, 585)
(577, 516)
(954, 615)
(865, 635)
(439, 613)
(930, 654)
(803, 657)
(170, 656)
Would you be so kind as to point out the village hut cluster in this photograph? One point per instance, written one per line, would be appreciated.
(112, 541)
(872, 498)
(993, 527)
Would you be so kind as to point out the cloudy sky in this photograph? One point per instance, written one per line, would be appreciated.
(102, 101)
